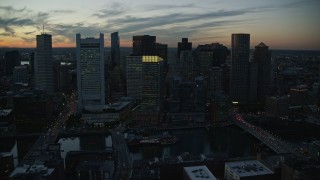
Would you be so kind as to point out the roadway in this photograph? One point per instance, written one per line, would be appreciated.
(276, 144)
(123, 156)
(53, 132)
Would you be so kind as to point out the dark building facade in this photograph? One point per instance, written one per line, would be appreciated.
(240, 54)
(184, 46)
(115, 49)
(144, 45)
(12, 59)
(262, 56)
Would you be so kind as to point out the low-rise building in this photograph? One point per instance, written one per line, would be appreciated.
(197, 173)
(251, 169)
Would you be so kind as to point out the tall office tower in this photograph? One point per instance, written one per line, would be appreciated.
(12, 59)
(43, 65)
(31, 62)
(144, 45)
(240, 54)
(115, 49)
(253, 81)
(200, 94)
(90, 71)
(220, 53)
(184, 46)
(204, 62)
(262, 56)
(187, 65)
(152, 82)
(134, 75)
(20, 75)
(162, 51)
(215, 80)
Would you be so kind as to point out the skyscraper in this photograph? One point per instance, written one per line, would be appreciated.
(12, 59)
(144, 45)
(262, 56)
(152, 80)
(43, 63)
(90, 71)
(115, 49)
(134, 75)
(240, 54)
(184, 46)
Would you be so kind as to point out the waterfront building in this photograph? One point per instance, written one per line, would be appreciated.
(152, 82)
(240, 54)
(43, 64)
(90, 71)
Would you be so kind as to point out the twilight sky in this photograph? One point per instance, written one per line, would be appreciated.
(281, 24)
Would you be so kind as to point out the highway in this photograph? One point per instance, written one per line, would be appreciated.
(123, 156)
(276, 144)
(53, 132)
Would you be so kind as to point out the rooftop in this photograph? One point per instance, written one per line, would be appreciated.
(5, 112)
(248, 168)
(199, 172)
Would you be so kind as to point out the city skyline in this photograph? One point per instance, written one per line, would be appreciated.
(289, 24)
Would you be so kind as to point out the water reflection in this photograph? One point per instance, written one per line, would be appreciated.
(86, 143)
(228, 141)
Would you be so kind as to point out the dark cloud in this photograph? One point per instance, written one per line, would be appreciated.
(27, 33)
(168, 6)
(63, 11)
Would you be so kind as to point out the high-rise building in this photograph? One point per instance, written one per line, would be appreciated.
(240, 54)
(134, 77)
(43, 63)
(184, 46)
(90, 71)
(144, 45)
(115, 49)
(220, 53)
(12, 59)
(262, 56)
(152, 80)
(204, 62)
(20, 75)
(187, 65)
(215, 81)
(162, 51)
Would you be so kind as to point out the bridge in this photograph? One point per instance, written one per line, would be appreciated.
(277, 145)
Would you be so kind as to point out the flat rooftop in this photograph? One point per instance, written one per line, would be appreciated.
(199, 172)
(248, 168)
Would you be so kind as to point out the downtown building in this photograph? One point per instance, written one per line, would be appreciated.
(184, 45)
(144, 84)
(144, 45)
(43, 65)
(239, 81)
(90, 72)
(115, 49)
(262, 56)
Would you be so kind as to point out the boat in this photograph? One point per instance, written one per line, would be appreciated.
(162, 140)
